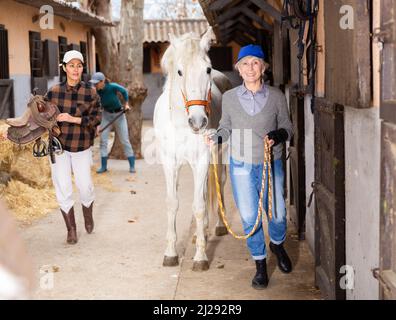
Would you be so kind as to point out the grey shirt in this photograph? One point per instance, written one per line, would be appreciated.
(247, 131)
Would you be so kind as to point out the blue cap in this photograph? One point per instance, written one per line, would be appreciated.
(251, 50)
(97, 77)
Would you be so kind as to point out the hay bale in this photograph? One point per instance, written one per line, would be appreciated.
(29, 203)
(29, 193)
(5, 177)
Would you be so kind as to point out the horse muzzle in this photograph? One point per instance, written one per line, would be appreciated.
(197, 125)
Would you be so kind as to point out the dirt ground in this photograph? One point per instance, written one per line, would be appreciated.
(122, 258)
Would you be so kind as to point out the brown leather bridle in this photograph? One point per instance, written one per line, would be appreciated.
(206, 103)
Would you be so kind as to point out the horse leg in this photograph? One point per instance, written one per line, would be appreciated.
(200, 212)
(221, 229)
(171, 173)
(206, 227)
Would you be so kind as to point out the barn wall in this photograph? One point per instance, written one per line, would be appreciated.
(348, 55)
(154, 83)
(362, 185)
(18, 27)
(21, 93)
(18, 33)
(309, 172)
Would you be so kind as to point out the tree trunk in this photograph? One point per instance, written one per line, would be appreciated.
(131, 73)
(106, 41)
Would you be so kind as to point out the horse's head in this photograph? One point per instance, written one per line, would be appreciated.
(188, 64)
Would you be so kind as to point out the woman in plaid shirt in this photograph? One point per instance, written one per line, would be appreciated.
(80, 115)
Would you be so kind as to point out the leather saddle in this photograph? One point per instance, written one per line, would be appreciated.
(39, 117)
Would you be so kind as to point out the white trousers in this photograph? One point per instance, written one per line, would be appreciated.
(78, 163)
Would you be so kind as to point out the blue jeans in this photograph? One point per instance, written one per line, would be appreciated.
(246, 187)
(121, 127)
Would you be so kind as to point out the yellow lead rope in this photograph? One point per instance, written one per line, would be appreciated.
(266, 168)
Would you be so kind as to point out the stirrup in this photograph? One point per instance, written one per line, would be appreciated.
(40, 148)
(56, 146)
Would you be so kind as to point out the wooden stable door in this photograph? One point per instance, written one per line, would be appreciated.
(387, 271)
(297, 166)
(329, 188)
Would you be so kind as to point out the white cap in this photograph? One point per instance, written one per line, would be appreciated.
(72, 54)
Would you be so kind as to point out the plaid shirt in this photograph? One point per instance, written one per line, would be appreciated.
(78, 101)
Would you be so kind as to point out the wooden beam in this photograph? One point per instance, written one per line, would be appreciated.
(266, 7)
(245, 20)
(248, 31)
(250, 14)
(228, 24)
(219, 4)
(243, 24)
(231, 13)
(227, 32)
(243, 28)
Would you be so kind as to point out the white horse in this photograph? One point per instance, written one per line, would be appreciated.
(189, 105)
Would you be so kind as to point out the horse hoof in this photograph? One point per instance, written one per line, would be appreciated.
(221, 231)
(200, 265)
(170, 261)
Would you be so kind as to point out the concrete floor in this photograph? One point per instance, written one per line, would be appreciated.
(123, 259)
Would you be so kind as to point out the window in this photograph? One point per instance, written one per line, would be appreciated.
(50, 63)
(62, 45)
(36, 54)
(84, 52)
(146, 59)
(4, 66)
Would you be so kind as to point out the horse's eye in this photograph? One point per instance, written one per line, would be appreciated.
(180, 73)
(208, 70)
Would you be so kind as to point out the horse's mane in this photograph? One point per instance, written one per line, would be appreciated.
(187, 48)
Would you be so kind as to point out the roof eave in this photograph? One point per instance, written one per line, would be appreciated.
(67, 11)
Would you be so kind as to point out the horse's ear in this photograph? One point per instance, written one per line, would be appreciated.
(207, 39)
(172, 39)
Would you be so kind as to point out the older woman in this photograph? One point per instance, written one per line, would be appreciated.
(80, 115)
(251, 113)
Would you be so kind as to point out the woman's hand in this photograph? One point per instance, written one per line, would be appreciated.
(127, 107)
(271, 142)
(207, 137)
(65, 117)
(277, 136)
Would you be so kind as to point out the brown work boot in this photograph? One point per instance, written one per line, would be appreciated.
(71, 226)
(88, 219)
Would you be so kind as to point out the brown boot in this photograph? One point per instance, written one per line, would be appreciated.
(88, 219)
(71, 226)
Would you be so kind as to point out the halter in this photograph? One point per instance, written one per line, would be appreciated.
(206, 103)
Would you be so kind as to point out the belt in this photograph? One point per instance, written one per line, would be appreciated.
(114, 111)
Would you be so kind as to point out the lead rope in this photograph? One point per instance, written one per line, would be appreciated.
(266, 168)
